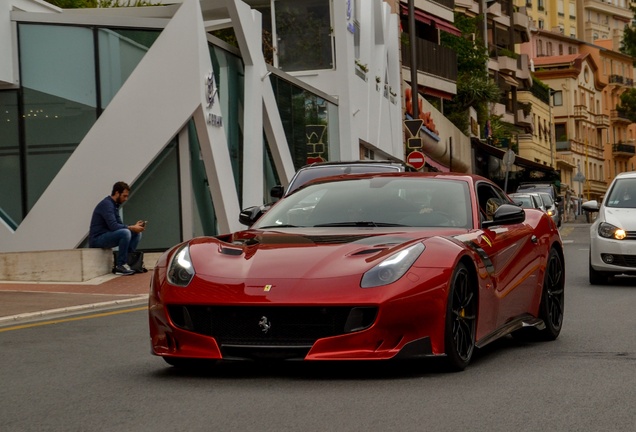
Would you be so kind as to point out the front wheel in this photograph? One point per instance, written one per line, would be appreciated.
(461, 318)
(597, 277)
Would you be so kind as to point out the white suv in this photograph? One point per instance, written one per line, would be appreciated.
(613, 233)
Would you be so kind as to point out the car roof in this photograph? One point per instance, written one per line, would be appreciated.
(628, 174)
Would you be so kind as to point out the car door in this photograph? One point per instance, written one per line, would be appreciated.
(514, 253)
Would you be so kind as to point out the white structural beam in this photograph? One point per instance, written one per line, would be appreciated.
(161, 95)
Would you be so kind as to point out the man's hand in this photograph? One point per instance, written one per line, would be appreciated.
(138, 227)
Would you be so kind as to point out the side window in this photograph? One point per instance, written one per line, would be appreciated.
(489, 199)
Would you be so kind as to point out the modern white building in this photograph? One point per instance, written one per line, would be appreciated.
(199, 125)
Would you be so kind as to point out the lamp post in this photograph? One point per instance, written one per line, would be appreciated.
(580, 178)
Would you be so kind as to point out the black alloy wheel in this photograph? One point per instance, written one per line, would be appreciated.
(552, 297)
(461, 318)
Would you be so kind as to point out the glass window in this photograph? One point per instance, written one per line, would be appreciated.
(120, 51)
(557, 98)
(154, 197)
(10, 192)
(306, 120)
(57, 65)
(304, 35)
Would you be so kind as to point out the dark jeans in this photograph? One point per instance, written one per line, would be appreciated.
(125, 239)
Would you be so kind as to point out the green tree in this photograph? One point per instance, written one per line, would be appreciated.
(628, 44)
(474, 87)
(627, 104)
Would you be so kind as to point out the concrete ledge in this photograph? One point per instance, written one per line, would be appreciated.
(71, 265)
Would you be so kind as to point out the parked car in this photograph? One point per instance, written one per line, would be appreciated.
(556, 208)
(551, 208)
(372, 266)
(613, 233)
(326, 169)
(528, 200)
(323, 169)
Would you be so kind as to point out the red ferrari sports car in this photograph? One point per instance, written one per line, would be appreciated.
(364, 267)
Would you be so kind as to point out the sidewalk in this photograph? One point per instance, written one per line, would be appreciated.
(27, 301)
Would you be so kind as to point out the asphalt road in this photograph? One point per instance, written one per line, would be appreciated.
(95, 373)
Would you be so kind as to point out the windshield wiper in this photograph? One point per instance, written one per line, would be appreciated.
(278, 226)
(358, 224)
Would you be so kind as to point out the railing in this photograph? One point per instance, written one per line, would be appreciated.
(616, 79)
(622, 148)
(619, 115)
(602, 120)
(580, 111)
(433, 59)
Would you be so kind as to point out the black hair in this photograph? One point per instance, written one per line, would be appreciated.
(120, 187)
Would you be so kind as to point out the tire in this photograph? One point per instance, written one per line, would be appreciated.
(597, 277)
(552, 297)
(461, 318)
(552, 302)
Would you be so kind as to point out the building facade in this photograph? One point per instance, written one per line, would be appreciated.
(199, 125)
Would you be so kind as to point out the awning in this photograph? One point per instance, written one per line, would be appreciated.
(438, 166)
(432, 20)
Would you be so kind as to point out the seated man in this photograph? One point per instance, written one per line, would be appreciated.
(107, 229)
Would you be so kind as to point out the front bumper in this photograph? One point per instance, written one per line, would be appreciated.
(615, 256)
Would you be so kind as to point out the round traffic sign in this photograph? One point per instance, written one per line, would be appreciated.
(415, 159)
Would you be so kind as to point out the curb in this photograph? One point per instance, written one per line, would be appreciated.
(71, 309)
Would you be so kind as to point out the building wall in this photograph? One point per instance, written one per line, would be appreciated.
(162, 113)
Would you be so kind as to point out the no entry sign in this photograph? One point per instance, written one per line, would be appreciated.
(415, 159)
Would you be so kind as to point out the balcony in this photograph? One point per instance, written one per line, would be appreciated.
(621, 149)
(616, 80)
(565, 160)
(524, 116)
(506, 63)
(521, 24)
(619, 116)
(434, 59)
(580, 112)
(601, 121)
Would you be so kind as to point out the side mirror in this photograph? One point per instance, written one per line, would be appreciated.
(251, 214)
(506, 214)
(591, 206)
(277, 191)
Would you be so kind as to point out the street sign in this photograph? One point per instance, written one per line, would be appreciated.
(579, 177)
(414, 143)
(416, 159)
(414, 126)
(509, 158)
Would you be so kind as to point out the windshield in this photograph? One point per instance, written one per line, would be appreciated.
(305, 176)
(377, 201)
(525, 200)
(623, 194)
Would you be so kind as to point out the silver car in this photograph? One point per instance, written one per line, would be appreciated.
(613, 233)
(551, 207)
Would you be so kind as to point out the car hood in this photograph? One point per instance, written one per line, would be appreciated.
(285, 254)
(624, 218)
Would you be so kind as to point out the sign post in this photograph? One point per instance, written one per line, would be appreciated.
(508, 160)
(580, 178)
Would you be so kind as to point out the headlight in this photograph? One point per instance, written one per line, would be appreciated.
(610, 231)
(392, 268)
(550, 212)
(181, 270)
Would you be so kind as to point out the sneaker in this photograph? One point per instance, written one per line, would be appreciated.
(123, 270)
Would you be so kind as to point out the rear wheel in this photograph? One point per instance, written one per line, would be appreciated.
(552, 297)
(461, 318)
(552, 302)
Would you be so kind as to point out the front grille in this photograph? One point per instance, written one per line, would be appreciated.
(630, 235)
(288, 326)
